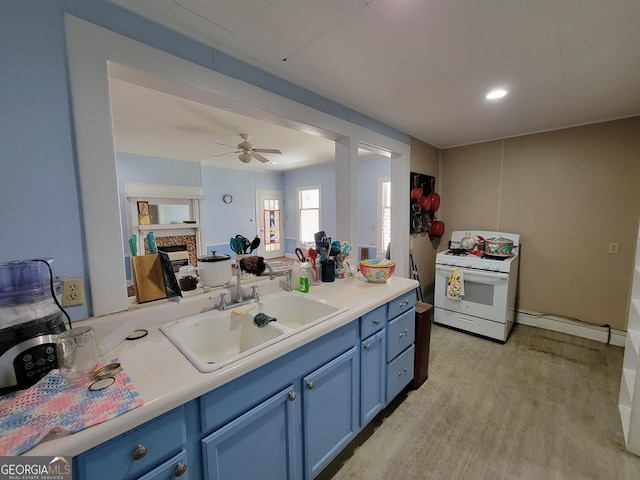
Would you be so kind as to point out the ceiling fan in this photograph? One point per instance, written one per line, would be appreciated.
(247, 152)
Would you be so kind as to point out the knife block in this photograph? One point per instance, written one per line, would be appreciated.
(148, 278)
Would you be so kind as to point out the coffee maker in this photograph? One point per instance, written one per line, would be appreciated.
(30, 321)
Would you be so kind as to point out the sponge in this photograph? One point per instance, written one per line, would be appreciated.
(262, 319)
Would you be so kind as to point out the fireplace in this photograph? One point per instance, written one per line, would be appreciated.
(181, 249)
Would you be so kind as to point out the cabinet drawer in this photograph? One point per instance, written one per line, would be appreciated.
(160, 439)
(174, 468)
(399, 373)
(400, 333)
(401, 304)
(373, 321)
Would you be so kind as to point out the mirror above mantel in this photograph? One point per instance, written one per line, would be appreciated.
(172, 212)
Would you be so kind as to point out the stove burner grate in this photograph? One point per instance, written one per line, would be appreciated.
(459, 252)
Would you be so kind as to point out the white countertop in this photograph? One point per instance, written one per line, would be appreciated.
(166, 379)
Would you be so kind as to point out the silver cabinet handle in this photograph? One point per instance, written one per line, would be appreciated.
(180, 469)
(367, 346)
(403, 372)
(139, 452)
(376, 321)
(292, 396)
(405, 333)
(310, 385)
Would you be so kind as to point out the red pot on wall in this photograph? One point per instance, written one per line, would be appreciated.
(416, 193)
(437, 229)
(425, 203)
(435, 201)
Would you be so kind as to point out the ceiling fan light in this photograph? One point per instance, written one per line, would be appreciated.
(245, 157)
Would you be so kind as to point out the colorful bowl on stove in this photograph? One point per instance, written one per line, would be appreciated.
(377, 270)
(498, 247)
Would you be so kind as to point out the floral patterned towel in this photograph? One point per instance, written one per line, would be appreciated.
(52, 407)
(455, 287)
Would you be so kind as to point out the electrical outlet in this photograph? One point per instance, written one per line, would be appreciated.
(73, 292)
(613, 248)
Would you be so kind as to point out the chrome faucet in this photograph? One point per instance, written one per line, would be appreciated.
(270, 269)
(239, 295)
(223, 302)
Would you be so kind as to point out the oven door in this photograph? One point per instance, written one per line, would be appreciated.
(485, 293)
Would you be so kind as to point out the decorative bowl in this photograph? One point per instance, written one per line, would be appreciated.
(375, 273)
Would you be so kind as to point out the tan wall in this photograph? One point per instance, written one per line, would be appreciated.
(568, 193)
(425, 160)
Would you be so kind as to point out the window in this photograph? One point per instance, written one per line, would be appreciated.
(384, 193)
(308, 214)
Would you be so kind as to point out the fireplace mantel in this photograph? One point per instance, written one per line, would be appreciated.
(167, 194)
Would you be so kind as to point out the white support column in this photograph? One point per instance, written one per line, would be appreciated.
(400, 172)
(347, 190)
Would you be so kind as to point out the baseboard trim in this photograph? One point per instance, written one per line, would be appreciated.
(563, 325)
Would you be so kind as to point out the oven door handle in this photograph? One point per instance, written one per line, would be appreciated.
(474, 273)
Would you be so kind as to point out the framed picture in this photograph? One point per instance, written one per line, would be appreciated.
(144, 217)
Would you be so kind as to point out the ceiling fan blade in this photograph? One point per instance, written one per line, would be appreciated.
(267, 150)
(227, 153)
(225, 145)
(259, 157)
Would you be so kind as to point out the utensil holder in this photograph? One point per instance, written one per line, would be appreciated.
(328, 270)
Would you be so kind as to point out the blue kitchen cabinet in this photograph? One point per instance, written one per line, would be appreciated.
(330, 410)
(372, 363)
(157, 449)
(285, 420)
(400, 344)
(372, 376)
(259, 444)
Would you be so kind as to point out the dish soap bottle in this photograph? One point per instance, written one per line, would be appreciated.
(304, 277)
(295, 275)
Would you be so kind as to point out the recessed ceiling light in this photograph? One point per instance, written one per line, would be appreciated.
(495, 94)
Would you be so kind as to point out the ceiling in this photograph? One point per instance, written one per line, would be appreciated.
(421, 66)
(150, 122)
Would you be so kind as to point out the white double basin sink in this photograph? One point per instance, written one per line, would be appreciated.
(213, 339)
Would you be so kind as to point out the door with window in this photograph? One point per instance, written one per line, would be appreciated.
(270, 226)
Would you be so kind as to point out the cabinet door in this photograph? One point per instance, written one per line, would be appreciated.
(330, 412)
(372, 376)
(259, 444)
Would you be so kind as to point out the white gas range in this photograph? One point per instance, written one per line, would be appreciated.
(487, 305)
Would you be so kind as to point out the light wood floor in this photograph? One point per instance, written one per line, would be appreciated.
(541, 406)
